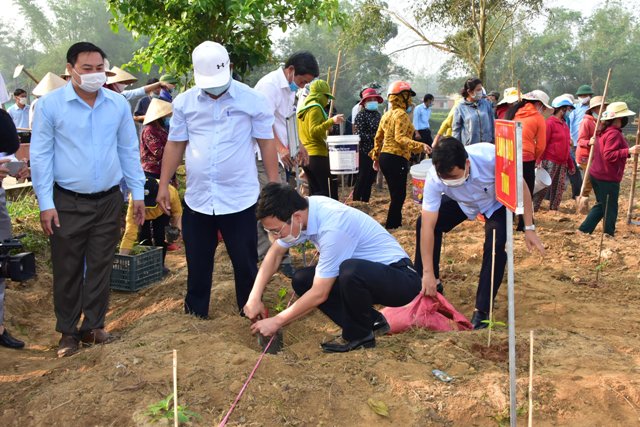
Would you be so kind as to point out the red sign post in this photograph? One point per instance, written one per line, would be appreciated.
(509, 165)
(509, 184)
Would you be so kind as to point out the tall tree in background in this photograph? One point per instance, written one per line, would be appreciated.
(175, 27)
(473, 27)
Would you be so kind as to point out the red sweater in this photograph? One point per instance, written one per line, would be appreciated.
(558, 148)
(587, 126)
(610, 155)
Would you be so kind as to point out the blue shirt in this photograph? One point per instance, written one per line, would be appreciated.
(473, 122)
(20, 116)
(341, 232)
(84, 149)
(421, 116)
(477, 194)
(575, 118)
(222, 177)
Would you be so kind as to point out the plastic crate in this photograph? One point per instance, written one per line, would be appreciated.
(133, 272)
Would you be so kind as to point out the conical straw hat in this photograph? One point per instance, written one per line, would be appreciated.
(157, 109)
(121, 76)
(48, 83)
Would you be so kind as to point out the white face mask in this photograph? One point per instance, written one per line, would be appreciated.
(584, 100)
(22, 100)
(289, 239)
(458, 182)
(91, 82)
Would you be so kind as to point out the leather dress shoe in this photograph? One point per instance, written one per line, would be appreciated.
(477, 319)
(96, 336)
(381, 326)
(67, 346)
(342, 346)
(6, 340)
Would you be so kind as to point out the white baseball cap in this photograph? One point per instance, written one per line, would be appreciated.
(211, 65)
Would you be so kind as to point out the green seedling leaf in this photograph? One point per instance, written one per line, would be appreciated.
(379, 407)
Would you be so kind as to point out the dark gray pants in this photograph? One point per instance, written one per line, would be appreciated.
(89, 230)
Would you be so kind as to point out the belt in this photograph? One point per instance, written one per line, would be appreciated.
(91, 196)
(404, 262)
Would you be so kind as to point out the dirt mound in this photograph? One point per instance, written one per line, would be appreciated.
(587, 363)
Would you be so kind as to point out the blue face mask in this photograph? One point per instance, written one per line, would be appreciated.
(294, 87)
(166, 122)
(217, 91)
(371, 106)
(409, 109)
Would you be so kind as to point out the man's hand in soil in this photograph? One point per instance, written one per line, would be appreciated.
(533, 242)
(266, 327)
(254, 310)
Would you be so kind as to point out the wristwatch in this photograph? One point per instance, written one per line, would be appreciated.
(531, 227)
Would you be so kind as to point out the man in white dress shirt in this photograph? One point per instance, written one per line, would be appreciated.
(279, 88)
(216, 122)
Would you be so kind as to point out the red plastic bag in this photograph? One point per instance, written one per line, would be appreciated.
(434, 313)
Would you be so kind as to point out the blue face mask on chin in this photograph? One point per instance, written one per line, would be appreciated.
(217, 91)
(409, 109)
(294, 87)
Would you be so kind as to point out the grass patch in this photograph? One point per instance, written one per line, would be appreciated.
(25, 218)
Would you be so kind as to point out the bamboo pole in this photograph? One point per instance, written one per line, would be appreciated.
(634, 176)
(329, 75)
(604, 222)
(175, 388)
(595, 132)
(335, 81)
(493, 270)
(519, 92)
(530, 378)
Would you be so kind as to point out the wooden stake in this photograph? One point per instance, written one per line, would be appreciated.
(493, 269)
(335, 81)
(634, 176)
(530, 378)
(175, 388)
(604, 222)
(519, 92)
(329, 75)
(595, 132)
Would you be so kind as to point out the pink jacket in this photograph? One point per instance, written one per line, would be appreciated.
(610, 156)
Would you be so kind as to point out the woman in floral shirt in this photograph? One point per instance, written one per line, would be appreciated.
(154, 137)
(366, 122)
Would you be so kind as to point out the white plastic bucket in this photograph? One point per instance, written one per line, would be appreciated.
(543, 180)
(418, 176)
(343, 154)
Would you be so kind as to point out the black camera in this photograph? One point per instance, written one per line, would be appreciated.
(19, 267)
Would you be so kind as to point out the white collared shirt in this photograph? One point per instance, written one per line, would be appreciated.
(478, 194)
(221, 170)
(341, 232)
(280, 100)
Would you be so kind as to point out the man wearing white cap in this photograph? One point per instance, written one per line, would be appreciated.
(215, 122)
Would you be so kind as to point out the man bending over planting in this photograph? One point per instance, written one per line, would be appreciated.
(360, 264)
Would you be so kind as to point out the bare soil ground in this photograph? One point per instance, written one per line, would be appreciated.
(587, 347)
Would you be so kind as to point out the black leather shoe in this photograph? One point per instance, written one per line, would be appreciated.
(6, 340)
(381, 326)
(477, 319)
(342, 346)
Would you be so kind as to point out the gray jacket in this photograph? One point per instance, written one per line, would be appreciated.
(473, 122)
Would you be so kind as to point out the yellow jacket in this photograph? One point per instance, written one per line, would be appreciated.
(131, 228)
(446, 128)
(395, 133)
(312, 127)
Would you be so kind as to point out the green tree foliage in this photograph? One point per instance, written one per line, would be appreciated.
(42, 44)
(175, 27)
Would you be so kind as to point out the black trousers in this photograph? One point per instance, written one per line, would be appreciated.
(366, 178)
(425, 135)
(318, 176)
(87, 238)
(395, 169)
(200, 235)
(449, 216)
(359, 285)
(576, 179)
(152, 233)
(529, 176)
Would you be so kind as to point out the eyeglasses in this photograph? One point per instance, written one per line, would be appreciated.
(274, 232)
